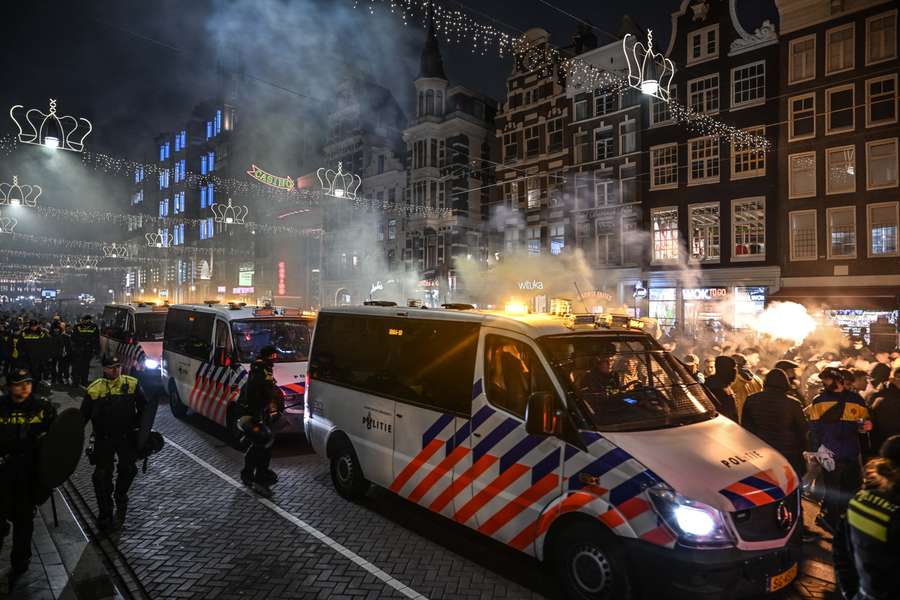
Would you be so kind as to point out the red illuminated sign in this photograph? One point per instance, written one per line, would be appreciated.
(281, 286)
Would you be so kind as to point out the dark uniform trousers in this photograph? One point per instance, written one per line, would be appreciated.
(20, 425)
(114, 408)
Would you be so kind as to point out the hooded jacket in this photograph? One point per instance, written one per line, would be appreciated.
(834, 422)
(720, 386)
(885, 412)
(775, 417)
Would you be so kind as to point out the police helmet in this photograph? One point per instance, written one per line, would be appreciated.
(267, 351)
(110, 361)
(18, 376)
(831, 373)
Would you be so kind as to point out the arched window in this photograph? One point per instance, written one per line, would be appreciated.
(429, 102)
(440, 103)
(421, 104)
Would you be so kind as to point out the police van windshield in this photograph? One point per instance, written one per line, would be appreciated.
(625, 383)
(290, 338)
(149, 327)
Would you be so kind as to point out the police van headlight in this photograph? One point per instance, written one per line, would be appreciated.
(697, 524)
(151, 364)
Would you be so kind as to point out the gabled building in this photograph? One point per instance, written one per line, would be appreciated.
(712, 204)
(840, 202)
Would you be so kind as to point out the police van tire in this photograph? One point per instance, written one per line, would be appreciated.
(346, 472)
(178, 408)
(590, 563)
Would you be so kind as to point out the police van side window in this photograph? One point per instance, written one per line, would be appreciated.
(177, 330)
(199, 341)
(114, 323)
(512, 372)
(421, 362)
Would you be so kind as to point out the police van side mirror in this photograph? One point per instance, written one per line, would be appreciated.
(543, 415)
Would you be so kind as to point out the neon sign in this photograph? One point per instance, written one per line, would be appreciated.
(266, 178)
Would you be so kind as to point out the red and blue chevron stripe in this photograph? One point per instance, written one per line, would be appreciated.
(758, 490)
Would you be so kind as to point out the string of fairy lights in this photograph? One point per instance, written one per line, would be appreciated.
(459, 27)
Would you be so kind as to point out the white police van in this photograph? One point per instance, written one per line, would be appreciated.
(134, 333)
(573, 438)
(207, 351)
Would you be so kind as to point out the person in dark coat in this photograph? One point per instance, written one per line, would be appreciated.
(261, 400)
(885, 411)
(720, 386)
(777, 418)
(62, 353)
(867, 544)
(791, 369)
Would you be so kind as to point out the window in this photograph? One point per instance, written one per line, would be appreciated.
(604, 190)
(164, 179)
(664, 166)
(627, 136)
(180, 141)
(606, 102)
(204, 168)
(881, 164)
(748, 85)
(704, 232)
(179, 170)
(425, 362)
(582, 144)
(802, 117)
(164, 207)
(881, 101)
(179, 203)
(211, 191)
(664, 223)
(534, 240)
(137, 198)
(839, 113)
(532, 141)
(164, 151)
(510, 147)
(628, 186)
(392, 229)
(603, 142)
(512, 373)
(659, 109)
(748, 229)
(883, 221)
(204, 196)
(139, 174)
(178, 234)
(511, 194)
(703, 44)
(211, 161)
(881, 37)
(554, 135)
(209, 129)
(748, 160)
(511, 240)
(557, 238)
(207, 228)
(839, 49)
(581, 109)
(802, 59)
(840, 170)
(841, 232)
(218, 122)
(703, 94)
(802, 175)
(804, 245)
(533, 192)
(704, 160)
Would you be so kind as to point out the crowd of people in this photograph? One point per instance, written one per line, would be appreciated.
(835, 416)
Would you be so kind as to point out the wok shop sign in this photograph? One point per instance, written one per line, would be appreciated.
(706, 293)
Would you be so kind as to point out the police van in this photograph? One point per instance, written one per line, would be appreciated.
(134, 333)
(573, 438)
(207, 351)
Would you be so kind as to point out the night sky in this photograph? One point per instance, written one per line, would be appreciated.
(136, 68)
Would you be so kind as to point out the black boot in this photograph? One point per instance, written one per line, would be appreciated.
(268, 477)
(121, 509)
(247, 477)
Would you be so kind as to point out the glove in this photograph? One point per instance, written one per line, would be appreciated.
(825, 458)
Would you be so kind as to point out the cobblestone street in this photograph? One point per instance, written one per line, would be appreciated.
(193, 531)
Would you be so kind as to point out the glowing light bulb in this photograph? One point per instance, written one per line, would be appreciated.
(51, 141)
(15, 202)
(649, 87)
(339, 192)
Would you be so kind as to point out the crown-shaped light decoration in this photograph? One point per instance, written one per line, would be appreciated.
(19, 195)
(648, 71)
(229, 213)
(7, 224)
(157, 240)
(115, 250)
(337, 183)
(51, 130)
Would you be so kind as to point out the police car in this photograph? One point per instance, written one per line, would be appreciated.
(208, 348)
(134, 333)
(573, 438)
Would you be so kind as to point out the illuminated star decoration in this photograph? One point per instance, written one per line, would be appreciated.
(229, 213)
(7, 224)
(52, 131)
(115, 251)
(337, 183)
(19, 195)
(648, 72)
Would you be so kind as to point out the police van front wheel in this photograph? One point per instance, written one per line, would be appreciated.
(175, 403)
(346, 473)
(590, 564)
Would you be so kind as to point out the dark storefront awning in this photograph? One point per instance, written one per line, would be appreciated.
(865, 298)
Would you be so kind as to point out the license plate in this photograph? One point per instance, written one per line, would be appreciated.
(782, 580)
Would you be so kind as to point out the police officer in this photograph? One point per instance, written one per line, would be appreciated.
(85, 344)
(6, 346)
(261, 402)
(23, 418)
(867, 544)
(113, 404)
(62, 353)
(32, 349)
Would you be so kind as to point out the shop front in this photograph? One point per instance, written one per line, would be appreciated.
(698, 310)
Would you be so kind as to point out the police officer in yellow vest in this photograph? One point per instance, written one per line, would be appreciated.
(23, 419)
(113, 404)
